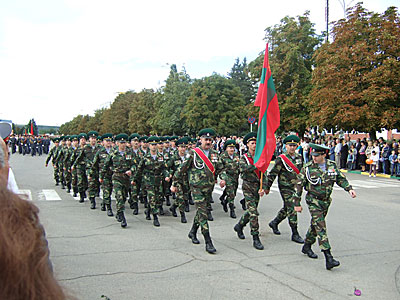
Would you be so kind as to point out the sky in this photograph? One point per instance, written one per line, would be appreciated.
(61, 58)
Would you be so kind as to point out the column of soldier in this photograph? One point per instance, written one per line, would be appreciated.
(147, 169)
(29, 144)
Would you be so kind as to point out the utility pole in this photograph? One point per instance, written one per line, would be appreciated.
(327, 19)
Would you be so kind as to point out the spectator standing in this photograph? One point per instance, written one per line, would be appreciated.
(343, 154)
(362, 156)
(385, 153)
(393, 163)
(375, 159)
(338, 149)
(332, 151)
(351, 158)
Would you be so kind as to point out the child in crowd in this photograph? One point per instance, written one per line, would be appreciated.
(393, 163)
(375, 159)
(351, 158)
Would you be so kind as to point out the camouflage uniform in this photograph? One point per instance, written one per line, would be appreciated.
(134, 194)
(182, 194)
(74, 172)
(286, 181)
(80, 166)
(68, 152)
(231, 177)
(60, 164)
(319, 186)
(97, 165)
(52, 155)
(250, 187)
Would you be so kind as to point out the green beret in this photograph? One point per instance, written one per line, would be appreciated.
(251, 136)
(122, 137)
(194, 141)
(153, 140)
(230, 143)
(291, 139)
(107, 136)
(82, 135)
(134, 136)
(182, 141)
(143, 138)
(93, 133)
(74, 137)
(318, 149)
(207, 132)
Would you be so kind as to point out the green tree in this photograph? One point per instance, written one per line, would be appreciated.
(239, 75)
(142, 119)
(215, 102)
(292, 44)
(174, 96)
(34, 127)
(356, 79)
(96, 122)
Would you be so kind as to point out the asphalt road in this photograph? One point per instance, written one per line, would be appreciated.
(93, 256)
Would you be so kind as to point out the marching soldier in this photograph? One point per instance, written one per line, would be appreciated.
(286, 167)
(230, 161)
(74, 173)
(151, 171)
(202, 167)
(98, 164)
(68, 151)
(317, 177)
(80, 165)
(144, 148)
(134, 190)
(251, 191)
(52, 156)
(122, 164)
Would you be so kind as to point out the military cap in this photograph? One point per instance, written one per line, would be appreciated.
(182, 142)
(93, 134)
(67, 138)
(173, 138)
(207, 132)
(143, 138)
(82, 135)
(56, 140)
(153, 140)
(122, 137)
(230, 143)
(162, 138)
(291, 139)
(74, 137)
(107, 136)
(194, 141)
(318, 149)
(251, 136)
(167, 138)
(134, 136)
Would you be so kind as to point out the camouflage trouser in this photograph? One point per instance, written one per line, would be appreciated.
(230, 189)
(56, 173)
(200, 196)
(121, 185)
(141, 189)
(154, 194)
(74, 175)
(182, 195)
(288, 208)
(251, 196)
(82, 179)
(318, 210)
(68, 176)
(61, 172)
(107, 188)
(209, 197)
(134, 193)
(94, 185)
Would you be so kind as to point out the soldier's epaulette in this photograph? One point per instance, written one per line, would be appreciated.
(308, 164)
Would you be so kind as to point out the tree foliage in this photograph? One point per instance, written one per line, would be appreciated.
(355, 82)
(142, 118)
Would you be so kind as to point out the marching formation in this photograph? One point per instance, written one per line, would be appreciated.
(179, 172)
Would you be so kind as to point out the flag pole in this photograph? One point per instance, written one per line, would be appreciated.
(261, 180)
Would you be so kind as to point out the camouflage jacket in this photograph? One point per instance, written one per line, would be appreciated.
(99, 160)
(149, 168)
(68, 152)
(248, 171)
(175, 162)
(230, 165)
(60, 154)
(86, 155)
(287, 178)
(118, 163)
(319, 183)
(52, 155)
(199, 174)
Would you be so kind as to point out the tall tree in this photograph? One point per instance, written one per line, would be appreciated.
(174, 97)
(292, 45)
(142, 119)
(32, 125)
(239, 75)
(356, 79)
(215, 102)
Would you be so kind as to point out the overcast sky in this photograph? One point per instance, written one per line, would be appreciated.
(60, 58)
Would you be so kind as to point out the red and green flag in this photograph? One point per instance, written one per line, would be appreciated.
(268, 118)
(32, 127)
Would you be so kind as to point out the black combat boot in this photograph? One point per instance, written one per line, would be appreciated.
(119, 216)
(243, 203)
(295, 235)
(103, 206)
(183, 217)
(187, 206)
(75, 192)
(145, 202)
(155, 220)
(232, 211)
(222, 198)
(191, 199)
(123, 220)
(307, 250)
(92, 202)
(62, 185)
(161, 209)
(274, 226)
(68, 188)
(57, 182)
(209, 245)
(167, 202)
(131, 204)
(135, 208)
(147, 212)
(172, 209)
(257, 243)
(239, 230)
(193, 234)
(174, 196)
(330, 261)
(224, 204)
(209, 216)
(141, 199)
(109, 210)
(82, 197)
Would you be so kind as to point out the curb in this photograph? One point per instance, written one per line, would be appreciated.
(367, 174)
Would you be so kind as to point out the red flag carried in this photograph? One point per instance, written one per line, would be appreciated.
(31, 127)
(268, 118)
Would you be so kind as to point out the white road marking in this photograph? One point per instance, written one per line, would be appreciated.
(51, 195)
(25, 194)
